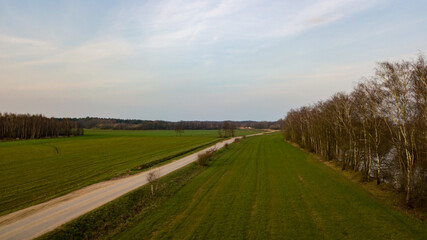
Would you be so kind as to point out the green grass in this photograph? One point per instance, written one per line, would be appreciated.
(114, 216)
(33, 171)
(264, 188)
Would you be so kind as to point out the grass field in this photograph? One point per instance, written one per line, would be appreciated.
(32, 171)
(264, 188)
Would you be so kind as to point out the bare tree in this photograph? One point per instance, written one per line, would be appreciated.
(152, 178)
(179, 128)
(381, 124)
(398, 106)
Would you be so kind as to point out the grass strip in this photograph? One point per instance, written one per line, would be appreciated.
(155, 162)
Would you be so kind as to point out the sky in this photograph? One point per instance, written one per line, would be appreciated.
(196, 60)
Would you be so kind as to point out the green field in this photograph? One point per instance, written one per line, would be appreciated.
(33, 171)
(264, 188)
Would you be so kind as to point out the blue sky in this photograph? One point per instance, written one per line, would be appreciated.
(195, 60)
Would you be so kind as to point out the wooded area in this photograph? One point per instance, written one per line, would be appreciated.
(26, 126)
(379, 128)
(131, 124)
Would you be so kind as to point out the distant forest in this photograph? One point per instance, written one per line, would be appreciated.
(380, 128)
(121, 124)
(26, 126)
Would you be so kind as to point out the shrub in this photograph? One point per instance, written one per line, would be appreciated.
(204, 158)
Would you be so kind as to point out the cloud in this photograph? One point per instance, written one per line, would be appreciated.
(22, 41)
(34, 52)
(173, 38)
(166, 53)
(172, 23)
(12, 46)
(319, 13)
(180, 23)
(186, 22)
(316, 20)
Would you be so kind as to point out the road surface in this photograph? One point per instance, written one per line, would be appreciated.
(34, 221)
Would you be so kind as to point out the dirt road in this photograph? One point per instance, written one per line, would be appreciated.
(37, 220)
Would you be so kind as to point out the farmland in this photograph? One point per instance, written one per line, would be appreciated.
(264, 188)
(33, 171)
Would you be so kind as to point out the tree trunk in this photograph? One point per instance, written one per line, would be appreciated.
(378, 169)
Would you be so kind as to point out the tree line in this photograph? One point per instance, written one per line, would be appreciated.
(131, 124)
(26, 126)
(380, 128)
